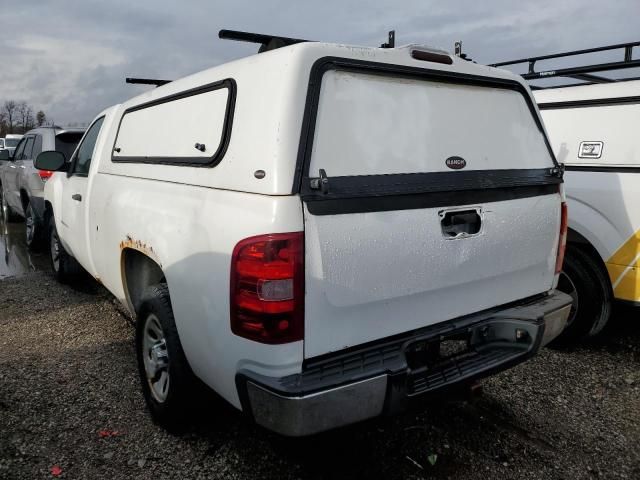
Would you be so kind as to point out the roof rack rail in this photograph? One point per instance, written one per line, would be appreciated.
(391, 43)
(271, 42)
(147, 81)
(267, 42)
(584, 72)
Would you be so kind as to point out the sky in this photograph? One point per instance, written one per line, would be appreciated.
(70, 57)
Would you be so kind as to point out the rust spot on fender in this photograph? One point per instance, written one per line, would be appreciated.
(143, 247)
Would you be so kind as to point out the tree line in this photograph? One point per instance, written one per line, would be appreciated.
(19, 117)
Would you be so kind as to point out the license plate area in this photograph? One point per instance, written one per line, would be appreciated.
(432, 353)
(451, 358)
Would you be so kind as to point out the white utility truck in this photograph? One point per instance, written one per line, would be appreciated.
(593, 129)
(336, 229)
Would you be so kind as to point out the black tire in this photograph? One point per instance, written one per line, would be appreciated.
(65, 268)
(586, 280)
(7, 213)
(169, 407)
(33, 230)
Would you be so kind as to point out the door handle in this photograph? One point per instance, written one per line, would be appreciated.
(460, 223)
(76, 196)
(12, 166)
(22, 166)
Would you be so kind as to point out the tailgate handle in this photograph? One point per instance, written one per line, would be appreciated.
(460, 223)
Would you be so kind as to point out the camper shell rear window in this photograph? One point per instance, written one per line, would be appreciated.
(396, 132)
(376, 119)
(191, 128)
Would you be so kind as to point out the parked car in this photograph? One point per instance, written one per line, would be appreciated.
(593, 128)
(22, 185)
(407, 242)
(10, 142)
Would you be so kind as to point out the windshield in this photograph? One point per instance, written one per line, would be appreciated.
(11, 142)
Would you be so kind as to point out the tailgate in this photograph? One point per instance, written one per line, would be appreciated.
(424, 200)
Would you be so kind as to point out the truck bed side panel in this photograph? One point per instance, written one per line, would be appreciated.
(190, 232)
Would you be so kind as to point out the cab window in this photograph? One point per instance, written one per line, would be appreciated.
(28, 148)
(19, 149)
(84, 153)
(37, 147)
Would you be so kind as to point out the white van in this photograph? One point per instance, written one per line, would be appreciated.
(593, 128)
(10, 142)
(336, 229)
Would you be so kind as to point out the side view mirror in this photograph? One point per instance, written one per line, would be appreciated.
(52, 161)
(5, 155)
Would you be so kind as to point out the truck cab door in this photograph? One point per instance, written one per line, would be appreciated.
(74, 215)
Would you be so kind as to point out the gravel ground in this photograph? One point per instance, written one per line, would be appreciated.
(69, 398)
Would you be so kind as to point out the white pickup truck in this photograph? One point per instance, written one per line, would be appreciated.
(339, 230)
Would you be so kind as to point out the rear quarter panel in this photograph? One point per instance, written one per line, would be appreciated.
(190, 232)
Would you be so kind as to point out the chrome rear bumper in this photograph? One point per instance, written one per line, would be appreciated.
(350, 386)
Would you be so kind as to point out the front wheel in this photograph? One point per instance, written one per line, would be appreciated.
(33, 229)
(65, 267)
(588, 284)
(5, 209)
(167, 380)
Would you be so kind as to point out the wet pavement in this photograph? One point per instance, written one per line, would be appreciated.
(15, 257)
(71, 407)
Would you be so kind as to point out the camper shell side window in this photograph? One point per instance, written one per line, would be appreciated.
(190, 128)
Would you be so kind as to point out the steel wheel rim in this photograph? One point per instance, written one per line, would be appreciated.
(155, 358)
(30, 225)
(55, 250)
(566, 285)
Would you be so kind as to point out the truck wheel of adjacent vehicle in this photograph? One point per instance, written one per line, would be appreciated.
(33, 230)
(7, 213)
(584, 279)
(166, 377)
(64, 266)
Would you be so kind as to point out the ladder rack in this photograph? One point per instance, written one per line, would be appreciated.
(585, 73)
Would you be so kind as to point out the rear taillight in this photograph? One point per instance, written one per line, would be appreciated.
(562, 242)
(267, 288)
(45, 174)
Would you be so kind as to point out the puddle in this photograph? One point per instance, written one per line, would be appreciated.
(15, 257)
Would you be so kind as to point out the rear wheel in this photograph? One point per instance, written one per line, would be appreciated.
(33, 229)
(167, 380)
(586, 281)
(65, 267)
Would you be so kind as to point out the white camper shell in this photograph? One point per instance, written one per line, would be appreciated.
(328, 218)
